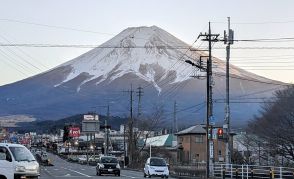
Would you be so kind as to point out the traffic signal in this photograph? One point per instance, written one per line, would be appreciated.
(220, 133)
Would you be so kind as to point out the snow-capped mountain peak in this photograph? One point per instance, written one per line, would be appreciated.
(148, 52)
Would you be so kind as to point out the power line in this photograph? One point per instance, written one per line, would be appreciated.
(253, 80)
(256, 23)
(23, 52)
(57, 27)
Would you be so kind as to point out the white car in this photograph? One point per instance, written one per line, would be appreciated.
(16, 161)
(82, 159)
(156, 166)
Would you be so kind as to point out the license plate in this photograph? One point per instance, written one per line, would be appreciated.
(110, 170)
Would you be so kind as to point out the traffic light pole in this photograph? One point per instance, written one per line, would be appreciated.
(228, 40)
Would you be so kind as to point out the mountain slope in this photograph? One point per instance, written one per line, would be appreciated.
(142, 56)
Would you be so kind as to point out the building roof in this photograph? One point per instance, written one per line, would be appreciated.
(197, 129)
(161, 141)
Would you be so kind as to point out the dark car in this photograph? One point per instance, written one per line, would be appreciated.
(108, 165)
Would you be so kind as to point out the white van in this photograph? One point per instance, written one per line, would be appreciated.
(17, 162)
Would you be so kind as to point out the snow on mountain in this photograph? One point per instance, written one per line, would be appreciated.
(148, 52)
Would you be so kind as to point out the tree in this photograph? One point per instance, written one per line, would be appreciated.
(275, 126)
(145, 125)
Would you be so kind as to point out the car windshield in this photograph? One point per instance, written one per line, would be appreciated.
(21, 154)
(108, 160)
(157, 162)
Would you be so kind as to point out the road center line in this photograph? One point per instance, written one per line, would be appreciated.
(76, 172)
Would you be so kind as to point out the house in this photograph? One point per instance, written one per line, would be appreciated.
(192, 145)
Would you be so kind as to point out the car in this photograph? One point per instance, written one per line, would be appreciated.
(108, 165)
(82, 159)
(94, 158)
(17, 161)
(156, 166)
(73, 158)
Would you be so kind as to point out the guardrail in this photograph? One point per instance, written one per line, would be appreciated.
(252, 171)
(225, 171)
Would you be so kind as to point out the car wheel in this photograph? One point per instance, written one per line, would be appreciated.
(149, 176)
(144, 174)
(118, 174)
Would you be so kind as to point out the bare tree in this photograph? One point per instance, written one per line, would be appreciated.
(145, 125)
(275, 126)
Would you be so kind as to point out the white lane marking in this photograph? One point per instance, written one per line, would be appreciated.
(76, 172)
(128, 176)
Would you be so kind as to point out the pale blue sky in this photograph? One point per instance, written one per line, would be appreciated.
(183, 18)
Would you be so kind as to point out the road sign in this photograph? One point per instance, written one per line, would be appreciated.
(212, 120)
(211, 149)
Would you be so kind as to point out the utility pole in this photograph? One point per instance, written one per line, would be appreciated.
(175, 123)
(228, 39)
(107, 131)
(140, 94)
(209, 106)
(131, 126)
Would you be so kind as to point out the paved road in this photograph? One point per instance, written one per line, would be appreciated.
(64, 169)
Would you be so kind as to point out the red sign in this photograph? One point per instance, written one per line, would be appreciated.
(74, 132)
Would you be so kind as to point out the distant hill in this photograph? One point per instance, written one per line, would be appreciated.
(49, 126)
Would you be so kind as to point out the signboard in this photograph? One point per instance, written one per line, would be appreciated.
(212, 120)
(74, 132)
(90, 126)
(211, 149)
(88, 117)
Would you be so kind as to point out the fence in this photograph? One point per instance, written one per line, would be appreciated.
(226, 171)
(251, 171)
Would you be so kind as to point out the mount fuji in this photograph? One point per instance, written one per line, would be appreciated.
(148, 57)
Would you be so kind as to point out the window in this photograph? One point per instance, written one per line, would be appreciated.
(21, 154)
(181, 139)
(199, 138)
(2, 153)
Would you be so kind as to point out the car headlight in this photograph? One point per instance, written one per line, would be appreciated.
(117, 166)
(20, 169)
(101, 165)
(152, 168)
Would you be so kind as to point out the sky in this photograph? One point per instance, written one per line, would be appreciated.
(92, 22)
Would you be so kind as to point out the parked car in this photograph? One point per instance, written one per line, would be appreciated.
(82, 159)
(108, 165)
(73, 158)
(94, 158)
(156, 166)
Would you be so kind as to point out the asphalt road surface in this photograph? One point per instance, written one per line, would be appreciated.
(64, 169)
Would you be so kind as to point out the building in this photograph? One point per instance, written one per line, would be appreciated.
(192, 145)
